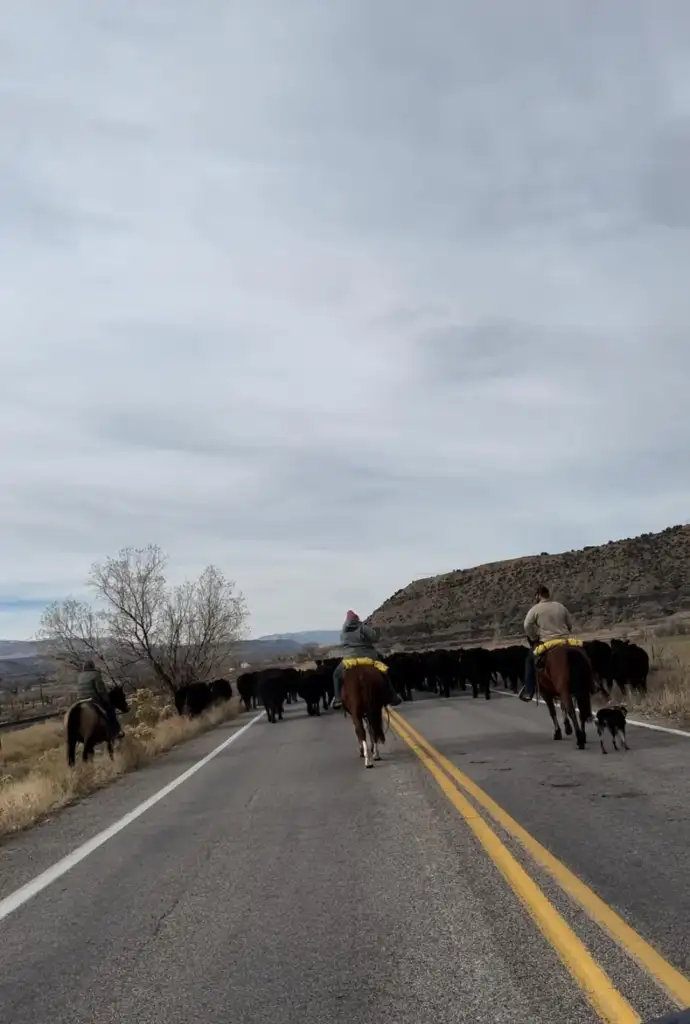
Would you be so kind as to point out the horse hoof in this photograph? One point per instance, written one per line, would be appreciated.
(370, 765)
(558, 735)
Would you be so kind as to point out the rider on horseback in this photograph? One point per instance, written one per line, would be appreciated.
(357, 641)
(546, 620)
(90, 686)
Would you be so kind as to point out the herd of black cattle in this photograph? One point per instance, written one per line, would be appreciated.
(436, 671)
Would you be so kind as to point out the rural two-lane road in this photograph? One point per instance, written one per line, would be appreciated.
(283, 882)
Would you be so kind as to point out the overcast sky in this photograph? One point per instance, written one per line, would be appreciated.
(338, 294)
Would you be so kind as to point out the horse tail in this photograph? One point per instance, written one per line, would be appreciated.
(73, 731)
(373, 702)
(581, 681)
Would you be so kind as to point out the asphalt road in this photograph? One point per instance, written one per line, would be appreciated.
(283, 882)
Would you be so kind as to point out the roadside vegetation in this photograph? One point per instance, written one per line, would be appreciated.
(668, 685)
(35, 780)
(150, 636)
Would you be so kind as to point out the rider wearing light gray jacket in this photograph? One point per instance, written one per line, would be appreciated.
(357, 641)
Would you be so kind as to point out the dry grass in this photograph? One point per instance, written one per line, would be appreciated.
(24, 744)
(36, 781)
(668, 687)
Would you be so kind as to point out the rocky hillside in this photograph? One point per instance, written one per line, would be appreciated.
(644, 579)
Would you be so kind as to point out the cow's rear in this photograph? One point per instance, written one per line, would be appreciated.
(271, 690)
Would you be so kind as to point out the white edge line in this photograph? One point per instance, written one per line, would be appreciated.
(16, 899)
(629, 721)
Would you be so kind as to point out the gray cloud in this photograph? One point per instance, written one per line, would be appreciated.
(342, 298)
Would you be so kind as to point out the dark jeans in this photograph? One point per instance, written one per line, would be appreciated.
(530, 674)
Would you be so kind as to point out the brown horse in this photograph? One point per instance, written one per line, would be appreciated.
(566, 673)
(364, 694)
(86, 723)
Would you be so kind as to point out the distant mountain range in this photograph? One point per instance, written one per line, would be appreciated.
(21, 648)
(309, 636)
(21, 659)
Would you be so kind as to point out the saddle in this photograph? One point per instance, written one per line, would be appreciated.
(96, 703)
(354, 662)
(542, 648)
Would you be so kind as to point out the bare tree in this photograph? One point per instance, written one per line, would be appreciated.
(75, 631)
(181, 633)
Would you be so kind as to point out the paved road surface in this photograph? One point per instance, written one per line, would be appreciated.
(283, 882)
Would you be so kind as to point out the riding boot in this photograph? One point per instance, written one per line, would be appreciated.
(337, 683)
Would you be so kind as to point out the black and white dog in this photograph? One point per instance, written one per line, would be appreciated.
(613, 719)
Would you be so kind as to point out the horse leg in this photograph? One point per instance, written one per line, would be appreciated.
(362, 739)
(74, 734)
(567, 723)
(374, 745)
(72, 740)
(569, 708)
(548, 700)
(110, 749)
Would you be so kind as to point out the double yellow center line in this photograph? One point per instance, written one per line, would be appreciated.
(610, 1005)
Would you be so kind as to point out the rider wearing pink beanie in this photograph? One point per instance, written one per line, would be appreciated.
(357, 641)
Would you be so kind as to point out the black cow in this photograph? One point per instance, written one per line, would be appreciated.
(404, 672)
(312, 688)
(290, 677)
(476, 666)
(271, 689)
(221, 689)
(246, 688)
(193, 699)
(509, 664)
(601, 657)
(328, 667)
(630, 665)
(443, 671)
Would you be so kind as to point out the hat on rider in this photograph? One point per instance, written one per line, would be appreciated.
(352, 616)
